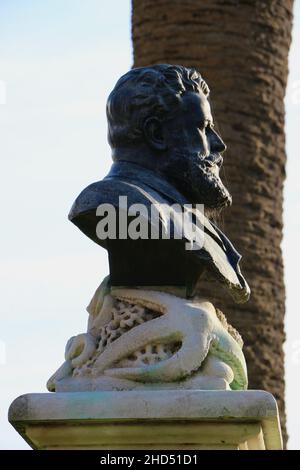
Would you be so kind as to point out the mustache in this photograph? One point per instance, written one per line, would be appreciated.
(210, 160)
(213, 159)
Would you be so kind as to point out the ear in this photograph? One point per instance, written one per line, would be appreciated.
(153, 133)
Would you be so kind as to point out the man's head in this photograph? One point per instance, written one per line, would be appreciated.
(160, 117)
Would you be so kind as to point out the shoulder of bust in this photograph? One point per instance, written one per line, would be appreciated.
(108, 191)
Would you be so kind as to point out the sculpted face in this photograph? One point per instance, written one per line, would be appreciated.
(194, 151)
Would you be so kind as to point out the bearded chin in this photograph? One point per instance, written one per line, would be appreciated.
(198, 182)
(206, 187)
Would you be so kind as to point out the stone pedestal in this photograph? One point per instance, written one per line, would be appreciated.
(144, 419)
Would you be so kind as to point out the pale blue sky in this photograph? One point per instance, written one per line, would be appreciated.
(59, 60)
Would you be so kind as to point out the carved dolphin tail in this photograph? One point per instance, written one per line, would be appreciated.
(180, 322)
(194, 324)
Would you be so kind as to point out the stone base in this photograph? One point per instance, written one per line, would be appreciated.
(144, 419)
(84, 384)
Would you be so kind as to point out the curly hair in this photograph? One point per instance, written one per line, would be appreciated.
(143, 92)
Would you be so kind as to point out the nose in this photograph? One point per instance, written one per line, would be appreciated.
(216, 142)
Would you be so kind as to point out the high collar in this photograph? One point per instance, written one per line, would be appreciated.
(134, 172)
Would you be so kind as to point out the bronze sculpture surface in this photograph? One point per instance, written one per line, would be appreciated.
(165, 151)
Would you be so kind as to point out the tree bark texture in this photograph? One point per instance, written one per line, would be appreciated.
(241, 49)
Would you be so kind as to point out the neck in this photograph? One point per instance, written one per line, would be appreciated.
(141, 155)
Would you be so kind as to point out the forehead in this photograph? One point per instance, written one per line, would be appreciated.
(196, 106)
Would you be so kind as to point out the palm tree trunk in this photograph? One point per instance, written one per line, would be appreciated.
(241, 48)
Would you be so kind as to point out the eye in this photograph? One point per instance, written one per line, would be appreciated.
(202, 125)
(206, 125)
(209, 125)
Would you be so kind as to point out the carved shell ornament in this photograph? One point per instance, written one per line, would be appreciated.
(143, 337)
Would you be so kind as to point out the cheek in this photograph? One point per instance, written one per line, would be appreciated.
(200, 142)
(179, 139)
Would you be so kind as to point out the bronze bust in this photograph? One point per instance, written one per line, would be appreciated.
(165, 150)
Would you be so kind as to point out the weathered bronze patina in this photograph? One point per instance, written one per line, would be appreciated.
(165, 151)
